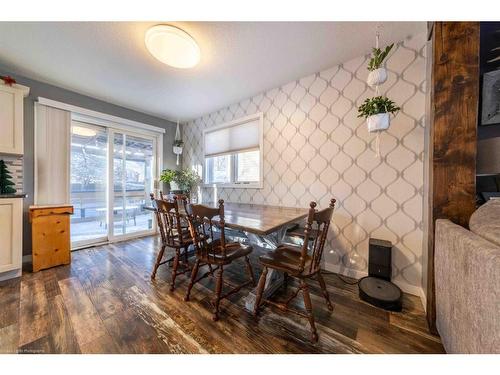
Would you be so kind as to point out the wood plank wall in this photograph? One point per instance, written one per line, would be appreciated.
(454, 114)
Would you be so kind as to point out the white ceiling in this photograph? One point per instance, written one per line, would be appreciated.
(108, 60)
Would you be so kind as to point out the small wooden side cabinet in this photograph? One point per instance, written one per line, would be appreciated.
(50, 235)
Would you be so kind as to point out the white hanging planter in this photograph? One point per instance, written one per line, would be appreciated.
(380, 121)
(177, 151)
(377, 77)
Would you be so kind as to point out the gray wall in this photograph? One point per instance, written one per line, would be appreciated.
(55, 93)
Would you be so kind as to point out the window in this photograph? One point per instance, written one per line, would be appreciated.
(247, 166)
(218, 169)
(233, 153)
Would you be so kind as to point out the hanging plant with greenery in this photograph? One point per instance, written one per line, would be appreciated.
(376, 105)
(378, 57)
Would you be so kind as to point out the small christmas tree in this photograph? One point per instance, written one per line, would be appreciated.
(5, 182)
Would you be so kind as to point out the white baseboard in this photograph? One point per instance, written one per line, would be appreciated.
(349, 272)
(423, 298)
(10, 274)
(356, 274)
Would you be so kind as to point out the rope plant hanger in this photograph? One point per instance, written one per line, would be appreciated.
(377, 110)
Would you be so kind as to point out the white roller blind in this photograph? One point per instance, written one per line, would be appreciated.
(234, 138)
(52, 158)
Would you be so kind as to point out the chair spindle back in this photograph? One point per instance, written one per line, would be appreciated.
(169, 220)
(320, 222)
(204, 229)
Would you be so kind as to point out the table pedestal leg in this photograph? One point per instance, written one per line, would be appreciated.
(274, 279)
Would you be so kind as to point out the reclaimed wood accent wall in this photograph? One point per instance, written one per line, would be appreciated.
(454, 115)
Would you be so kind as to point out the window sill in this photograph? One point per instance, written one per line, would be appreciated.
(234, 186)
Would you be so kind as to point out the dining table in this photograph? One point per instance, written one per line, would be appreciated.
(264, 226)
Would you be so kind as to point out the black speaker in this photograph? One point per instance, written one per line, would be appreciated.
(379, 258)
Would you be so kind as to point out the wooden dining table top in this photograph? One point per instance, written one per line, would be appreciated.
(258, 218)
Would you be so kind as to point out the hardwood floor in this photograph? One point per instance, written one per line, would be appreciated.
(105, 302)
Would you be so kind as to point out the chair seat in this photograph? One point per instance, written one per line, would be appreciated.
(285, 258)
(234, 250)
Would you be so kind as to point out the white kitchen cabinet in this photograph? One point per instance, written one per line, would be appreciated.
(11, 118)
(11, 237)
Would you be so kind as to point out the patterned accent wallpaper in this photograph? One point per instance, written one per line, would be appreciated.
(316, 148)
(15, 165)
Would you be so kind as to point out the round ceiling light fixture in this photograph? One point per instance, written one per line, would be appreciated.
(172, 46)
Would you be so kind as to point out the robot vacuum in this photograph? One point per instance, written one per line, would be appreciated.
(381, 293)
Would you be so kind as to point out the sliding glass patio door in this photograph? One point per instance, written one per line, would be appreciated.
(112, 175)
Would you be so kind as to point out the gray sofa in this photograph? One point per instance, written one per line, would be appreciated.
(467, 275)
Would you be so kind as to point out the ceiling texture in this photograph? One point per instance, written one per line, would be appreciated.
(109, 60)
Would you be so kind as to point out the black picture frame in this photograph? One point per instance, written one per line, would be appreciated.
(490, 103)
(489, 68)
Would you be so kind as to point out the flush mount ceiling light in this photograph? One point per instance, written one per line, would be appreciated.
(172, 46)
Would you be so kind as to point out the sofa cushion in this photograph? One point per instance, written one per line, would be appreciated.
(485, 222)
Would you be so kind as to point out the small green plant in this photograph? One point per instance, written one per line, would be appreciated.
(376, 105)
(178, 143)
(378, 57)
(186, 179)
(167, 175)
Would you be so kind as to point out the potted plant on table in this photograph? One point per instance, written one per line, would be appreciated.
(376, 110)
(185, 180)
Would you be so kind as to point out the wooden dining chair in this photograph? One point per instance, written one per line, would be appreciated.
(207, 229)
(174, 233)
(302, 263)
